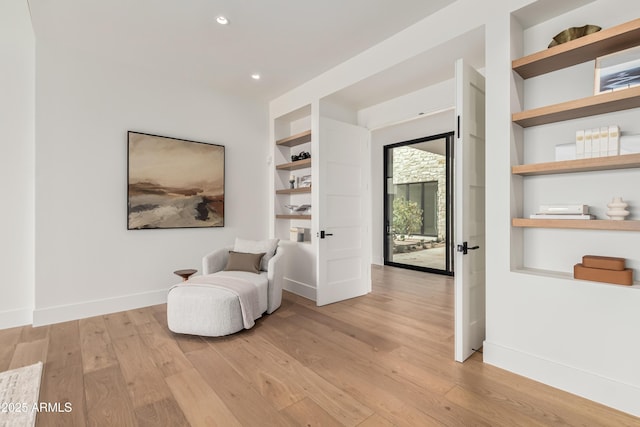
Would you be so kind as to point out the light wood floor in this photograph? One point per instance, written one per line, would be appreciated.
(381, 360)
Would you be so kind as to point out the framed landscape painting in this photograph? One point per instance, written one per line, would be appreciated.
(174, 183)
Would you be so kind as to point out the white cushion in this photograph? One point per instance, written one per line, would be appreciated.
(203, 311)
(268, 247)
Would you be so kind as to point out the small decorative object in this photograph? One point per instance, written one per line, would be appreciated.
(305, 181)
(298, 209)
(572, 209)
(573, 33)
(617, 209)
(565, 151)
(292, 181)
(301, 156)
(185, 274)
(298, 234)
(603, 269)
(614, 140)
(617, 71)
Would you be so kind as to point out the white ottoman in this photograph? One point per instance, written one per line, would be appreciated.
(199, 310)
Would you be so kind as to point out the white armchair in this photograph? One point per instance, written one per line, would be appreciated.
(217, 260)
(210, 311)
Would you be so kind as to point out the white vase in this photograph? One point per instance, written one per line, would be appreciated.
(617, 209)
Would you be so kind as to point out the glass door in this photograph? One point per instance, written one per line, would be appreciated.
(418, 204)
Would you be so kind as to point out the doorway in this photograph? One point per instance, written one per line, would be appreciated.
(418, 204)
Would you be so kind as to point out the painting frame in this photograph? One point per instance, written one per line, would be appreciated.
(305, 181)
(617, 71)
(174, 183)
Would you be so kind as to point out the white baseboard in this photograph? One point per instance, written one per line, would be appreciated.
(609, 392)
(64, 313)
(14, 318)
(377, 260)
(299, 288)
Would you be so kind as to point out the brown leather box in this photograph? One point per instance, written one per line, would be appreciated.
(606, 262)
(619, 277)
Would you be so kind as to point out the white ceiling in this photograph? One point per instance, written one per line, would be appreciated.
(433, 66)
(287, 41)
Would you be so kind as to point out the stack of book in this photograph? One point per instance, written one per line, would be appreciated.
(603, 269)
(563, 212)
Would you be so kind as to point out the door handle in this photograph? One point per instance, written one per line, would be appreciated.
(464, 248)
(323, 234)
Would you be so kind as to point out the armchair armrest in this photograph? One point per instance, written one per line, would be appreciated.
(275, 275)
(215, 261)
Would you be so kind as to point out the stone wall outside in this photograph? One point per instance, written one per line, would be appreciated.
(412, 165)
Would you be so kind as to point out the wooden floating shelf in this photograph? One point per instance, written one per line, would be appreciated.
(565, 276)
(298, 164)
(293, 216)
(599, 104)
(580, 50)
(296, 139)
(582, 224)
(299, 190)
(625, 161)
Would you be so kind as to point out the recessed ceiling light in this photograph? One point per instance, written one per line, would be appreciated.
(222, 20)
(255, 76)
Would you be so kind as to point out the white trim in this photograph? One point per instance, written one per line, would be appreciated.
(410, 119)
(14, 318)
(64, 313)
(610, 392)
(300, 289)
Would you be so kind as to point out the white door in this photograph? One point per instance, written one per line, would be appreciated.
(469, 212)
(344, 250)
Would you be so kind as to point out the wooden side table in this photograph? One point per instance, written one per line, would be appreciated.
(185, 274)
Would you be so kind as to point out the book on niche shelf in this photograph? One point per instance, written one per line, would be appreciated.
(561, 216)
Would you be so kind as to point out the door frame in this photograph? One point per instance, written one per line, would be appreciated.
(449, 254)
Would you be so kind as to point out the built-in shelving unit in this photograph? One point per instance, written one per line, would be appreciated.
(289, 142)
(292, 136)
(571, 53)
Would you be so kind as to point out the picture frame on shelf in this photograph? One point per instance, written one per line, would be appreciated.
(305, 181)
(617, 71)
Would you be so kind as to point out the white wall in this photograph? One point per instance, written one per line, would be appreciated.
(87, 261)
(17, 110)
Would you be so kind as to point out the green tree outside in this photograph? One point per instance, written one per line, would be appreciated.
(407, 217)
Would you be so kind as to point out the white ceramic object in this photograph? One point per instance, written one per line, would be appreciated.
(617, 209)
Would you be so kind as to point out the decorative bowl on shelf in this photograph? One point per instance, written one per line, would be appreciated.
(298, 209)
(573, 33)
